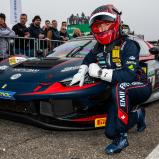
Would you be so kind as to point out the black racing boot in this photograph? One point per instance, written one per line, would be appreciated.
(141, 124)
(117, 145)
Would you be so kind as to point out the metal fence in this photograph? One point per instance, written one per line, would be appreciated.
(30, 47)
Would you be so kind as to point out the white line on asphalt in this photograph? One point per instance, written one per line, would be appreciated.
(154, 154)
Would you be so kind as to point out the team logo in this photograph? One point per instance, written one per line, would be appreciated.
(16, 76)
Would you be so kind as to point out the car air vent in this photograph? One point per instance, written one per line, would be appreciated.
(40, 64)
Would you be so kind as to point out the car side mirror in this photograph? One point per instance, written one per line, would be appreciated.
(154, 50)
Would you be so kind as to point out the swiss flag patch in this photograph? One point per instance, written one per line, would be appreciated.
(123, 117)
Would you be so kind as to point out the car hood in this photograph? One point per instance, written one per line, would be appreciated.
(39, 70)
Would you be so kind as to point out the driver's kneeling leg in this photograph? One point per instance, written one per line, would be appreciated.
(120, 116)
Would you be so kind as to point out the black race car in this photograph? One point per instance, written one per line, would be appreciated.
(38, 91)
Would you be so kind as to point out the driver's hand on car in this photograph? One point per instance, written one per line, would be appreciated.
(80, 76)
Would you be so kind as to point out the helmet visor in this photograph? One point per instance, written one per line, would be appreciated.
(102, 17)
(102, 26)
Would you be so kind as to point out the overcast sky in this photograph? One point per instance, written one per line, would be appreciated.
(141, 15)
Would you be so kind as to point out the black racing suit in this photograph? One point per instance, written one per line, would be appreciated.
(130, 86)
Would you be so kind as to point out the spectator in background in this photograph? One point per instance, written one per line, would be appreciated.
(35, 32)
(46, 27)
(63, 34)
(64, 24)
(76, 33)
(4, 32)
(21, 30)
(53, 34)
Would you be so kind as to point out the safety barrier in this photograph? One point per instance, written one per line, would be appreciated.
(30, 47)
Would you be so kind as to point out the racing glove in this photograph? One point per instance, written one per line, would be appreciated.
(79, 77)
(106, 74)
(97, 72)
(94, 70)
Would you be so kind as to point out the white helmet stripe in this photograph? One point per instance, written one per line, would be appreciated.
(103, 13)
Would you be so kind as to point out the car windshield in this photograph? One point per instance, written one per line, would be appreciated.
(78, 48)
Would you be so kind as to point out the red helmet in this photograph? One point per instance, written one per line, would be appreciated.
(105, 22)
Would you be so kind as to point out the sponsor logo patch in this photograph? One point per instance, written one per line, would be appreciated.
(124, 85)
(116, 53)
(131, 67)
(100, 122)
(132, 57)
(122, 99)
(7, 94)
(130, 62)
(116, 60)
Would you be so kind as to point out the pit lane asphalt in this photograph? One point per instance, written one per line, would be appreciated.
(20, 141)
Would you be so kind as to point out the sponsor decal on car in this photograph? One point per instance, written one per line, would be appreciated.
(26, 70)
(4, 86)
(100, 122)
(4, 67)
(16, 60)
(7, 94)
(70, 68)
(16, 76)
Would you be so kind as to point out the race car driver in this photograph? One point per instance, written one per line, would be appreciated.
(115, 60)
